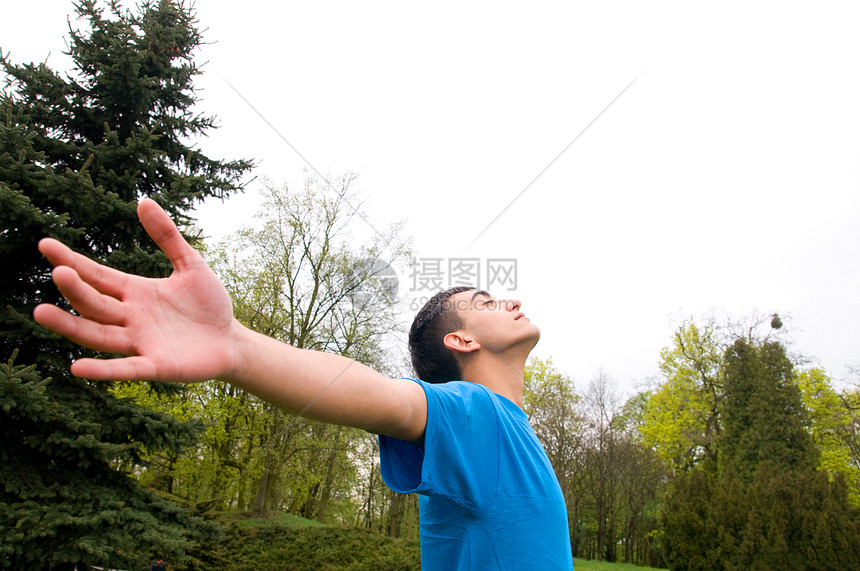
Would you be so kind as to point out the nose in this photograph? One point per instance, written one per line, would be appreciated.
(513, 304)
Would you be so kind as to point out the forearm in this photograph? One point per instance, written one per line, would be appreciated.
(182, 329)
(326, 387)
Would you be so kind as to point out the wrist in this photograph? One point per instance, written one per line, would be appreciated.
(241, 344)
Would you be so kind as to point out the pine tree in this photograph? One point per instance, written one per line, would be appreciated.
(763, 415)
(764, 506)
(687, 523)
(76, 155)
(798, 520)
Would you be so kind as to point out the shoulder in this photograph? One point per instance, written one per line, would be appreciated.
(462, 392)
(460, 404)
(455, 387)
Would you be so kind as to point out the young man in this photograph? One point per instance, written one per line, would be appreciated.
(489, 497)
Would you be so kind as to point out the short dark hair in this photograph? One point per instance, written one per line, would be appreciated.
(432, 361)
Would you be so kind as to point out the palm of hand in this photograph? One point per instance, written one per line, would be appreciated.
(177, 328)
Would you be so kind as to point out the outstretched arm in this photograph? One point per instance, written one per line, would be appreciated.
(182, 328)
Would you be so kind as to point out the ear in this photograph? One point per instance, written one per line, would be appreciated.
(461, 342)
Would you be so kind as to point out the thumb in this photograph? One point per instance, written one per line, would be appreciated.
(166, 235)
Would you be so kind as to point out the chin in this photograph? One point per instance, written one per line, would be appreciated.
(535, 337)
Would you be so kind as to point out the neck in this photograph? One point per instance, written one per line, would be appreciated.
(502, 374)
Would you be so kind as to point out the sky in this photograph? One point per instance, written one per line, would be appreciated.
(642, 162)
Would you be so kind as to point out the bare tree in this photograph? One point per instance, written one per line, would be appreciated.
(302, 276)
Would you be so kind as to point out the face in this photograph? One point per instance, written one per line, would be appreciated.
(497, 324)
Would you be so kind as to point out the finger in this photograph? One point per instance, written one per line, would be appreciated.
(161, 228)
(121, 369)
(104, 279)
(107, 338)
(56, 252)
(86, 300)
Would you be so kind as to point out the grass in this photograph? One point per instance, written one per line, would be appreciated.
(286, 541)
(585, 565)
(275, 520)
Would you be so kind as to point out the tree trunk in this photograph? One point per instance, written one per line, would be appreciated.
(326, 489)
(262, 502)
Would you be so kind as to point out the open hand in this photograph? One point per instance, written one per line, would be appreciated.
(171, 329)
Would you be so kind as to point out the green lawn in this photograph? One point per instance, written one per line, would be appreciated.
(278, 519)
(267, 543)
(584, 565)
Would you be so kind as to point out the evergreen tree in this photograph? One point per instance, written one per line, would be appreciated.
(687, 521)
(766, 507)
(763, 414)
(798, 520)
(76, 155)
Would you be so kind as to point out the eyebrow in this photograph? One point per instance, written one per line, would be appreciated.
(480, 292)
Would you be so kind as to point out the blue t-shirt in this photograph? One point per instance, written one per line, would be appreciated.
(489, 498)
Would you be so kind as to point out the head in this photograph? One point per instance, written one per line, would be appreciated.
(432, 360)
(449, 332)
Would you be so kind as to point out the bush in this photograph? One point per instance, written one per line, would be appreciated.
(275, 543)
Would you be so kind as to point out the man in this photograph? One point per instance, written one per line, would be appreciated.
(489, 497)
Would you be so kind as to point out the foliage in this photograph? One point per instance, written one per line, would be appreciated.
(62, 499)
(763, 415)
(681, 419)
(206, 471)
(302, 276)
(276, 544)
(298, 276)
(609, 481)
(551, 404)
(381, 509)
(77, 152)
(593, 565)
(622, 479)
(784, 520)
(832, 429)
(765, 505)
(797, 520)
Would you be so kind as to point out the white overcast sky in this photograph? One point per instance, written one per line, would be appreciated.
(724, 179)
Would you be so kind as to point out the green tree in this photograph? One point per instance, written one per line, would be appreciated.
(610, 481)
(302, 277)
(298, 275)
(832, 428)
(77, 152)
(552, 405)
(798, 520)
(622, 478)
(767, 506)
(605, 448)
(642, 475)
(681, 419)
(763, 414)
(214, 471)
(688, 529)
(851, 402)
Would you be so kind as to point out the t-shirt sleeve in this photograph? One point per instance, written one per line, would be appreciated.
(460, 454)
